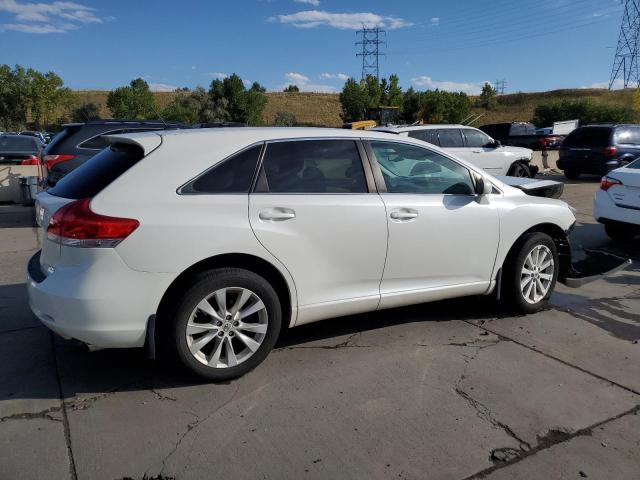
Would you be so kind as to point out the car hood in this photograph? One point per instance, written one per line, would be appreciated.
(534, 187)
(518, 151)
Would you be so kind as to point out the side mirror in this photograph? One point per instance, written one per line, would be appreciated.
(482, 187)
(496, 144)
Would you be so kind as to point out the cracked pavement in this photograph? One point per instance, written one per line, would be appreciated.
(451, 390)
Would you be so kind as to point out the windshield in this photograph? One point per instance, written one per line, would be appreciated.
(18, 144)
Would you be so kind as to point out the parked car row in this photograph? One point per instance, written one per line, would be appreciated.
(523, 134)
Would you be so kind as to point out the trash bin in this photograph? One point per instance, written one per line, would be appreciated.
(28, 190)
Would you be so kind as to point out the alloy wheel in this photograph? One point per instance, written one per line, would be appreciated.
(537, 272)
(227, 327)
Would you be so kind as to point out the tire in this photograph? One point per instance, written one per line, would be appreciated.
(519, 169)
(571, 174)
(200, 336)
(620, 231)
(519, 292)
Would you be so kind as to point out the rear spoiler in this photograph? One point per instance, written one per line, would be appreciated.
(533, 187)
(148, 141)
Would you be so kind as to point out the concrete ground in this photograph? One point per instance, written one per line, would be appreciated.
(451, 390)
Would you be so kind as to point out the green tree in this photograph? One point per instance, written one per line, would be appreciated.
(374, 91)
(285, 119)
(488, 97)
(353, 100)
(586, 111)
(134, 101)
(241, 105)
(46, 94)
(291, 89)
(86, 112)
(14, 97)
(394, 96)
(411, 106)
(444, 107)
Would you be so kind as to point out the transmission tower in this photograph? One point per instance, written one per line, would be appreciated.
(625, 63)
(500, 86)
(370, 42)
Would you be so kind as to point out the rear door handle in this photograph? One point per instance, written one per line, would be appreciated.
(477, 151)
(277, 214)
(404, 214)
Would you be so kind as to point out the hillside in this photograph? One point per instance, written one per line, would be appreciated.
(323, 109)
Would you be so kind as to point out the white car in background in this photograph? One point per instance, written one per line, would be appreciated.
(617, 202)
(259, 229)
(472, 145)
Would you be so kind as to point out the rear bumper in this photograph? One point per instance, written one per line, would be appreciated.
(605, 210)
(103, 303)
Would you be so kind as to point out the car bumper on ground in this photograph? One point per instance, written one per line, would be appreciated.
(103, 303)
(605, 209)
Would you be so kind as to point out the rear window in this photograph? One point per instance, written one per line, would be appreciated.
(98, 172)
(588, 137)
(519, 129)
(628, 135)
(18, 144)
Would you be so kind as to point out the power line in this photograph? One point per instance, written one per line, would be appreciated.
(625, 62)
(370, 53)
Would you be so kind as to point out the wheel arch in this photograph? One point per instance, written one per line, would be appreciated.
(559, 237)
(245, 261)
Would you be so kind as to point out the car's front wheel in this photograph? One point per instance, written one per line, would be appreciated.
(531, 273)
(519, 169)
(226, 323)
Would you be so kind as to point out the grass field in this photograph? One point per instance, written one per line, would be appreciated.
(323, 109)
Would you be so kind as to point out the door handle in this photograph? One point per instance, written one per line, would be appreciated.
(277, 214)
(476, 151)
(404, 214)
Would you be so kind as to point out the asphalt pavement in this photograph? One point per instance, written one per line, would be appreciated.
(450, 390)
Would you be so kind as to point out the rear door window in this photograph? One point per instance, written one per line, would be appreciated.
(98, 172)
(450, 138)
(427, 135)
(589, 137)
(312, 166)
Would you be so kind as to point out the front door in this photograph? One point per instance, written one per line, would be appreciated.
(443, 238)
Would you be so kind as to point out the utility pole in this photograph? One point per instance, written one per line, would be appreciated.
(500, 86)
(625, 62)
(369, 40)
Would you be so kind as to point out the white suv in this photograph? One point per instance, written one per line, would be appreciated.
(207, 243)
(474, 146)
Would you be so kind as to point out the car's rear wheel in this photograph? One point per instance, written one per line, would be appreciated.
(620, 231)
(519, 169)
(571, 174)
(226, 323)
(531, 273)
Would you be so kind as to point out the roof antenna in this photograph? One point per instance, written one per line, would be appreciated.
(155, 110)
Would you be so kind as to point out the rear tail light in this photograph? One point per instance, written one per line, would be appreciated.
(75, 225)
(30, 160)
(610, 151)
(607, 182)
(51, 161)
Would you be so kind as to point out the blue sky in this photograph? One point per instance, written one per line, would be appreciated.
(457, 45)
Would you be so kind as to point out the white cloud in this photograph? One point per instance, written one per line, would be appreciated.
(162, 87)
(343, 21)
(618, 84)
(334, 76)
(218, 75)
(302, 82)
(435, 21)
(428, 83)
(315, 3)
(55, 17)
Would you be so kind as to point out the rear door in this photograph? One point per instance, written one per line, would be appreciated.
(314, 209)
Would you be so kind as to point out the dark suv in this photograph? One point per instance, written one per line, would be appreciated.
(598, 149)
(78, 142)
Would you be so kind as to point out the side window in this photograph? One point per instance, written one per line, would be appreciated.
(411, 169)
(450, 138)
(312, 166)
(429, 135)
(232, 175)
(475, 138)
(628, 136)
